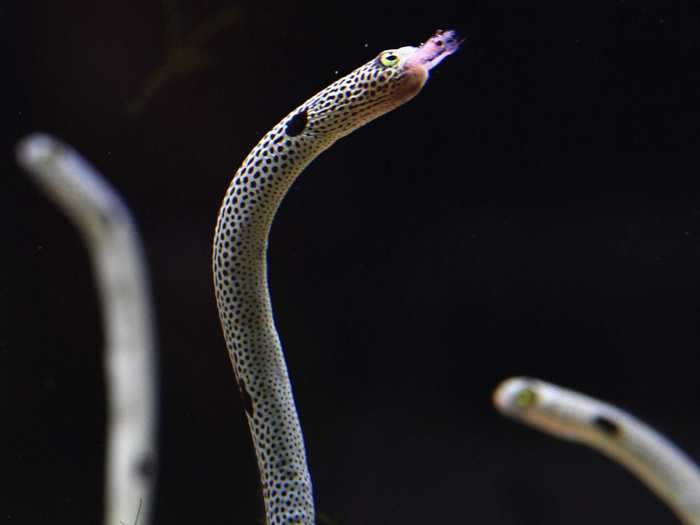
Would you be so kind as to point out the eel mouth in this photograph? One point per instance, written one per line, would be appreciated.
(433, 51)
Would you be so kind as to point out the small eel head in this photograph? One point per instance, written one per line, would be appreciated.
(534, 403)
(553, 409)
(416, 62)
(384, 83)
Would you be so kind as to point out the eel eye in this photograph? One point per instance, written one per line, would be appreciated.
(525, 398)
(389, 58)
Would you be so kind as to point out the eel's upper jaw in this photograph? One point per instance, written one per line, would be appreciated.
(435, 49)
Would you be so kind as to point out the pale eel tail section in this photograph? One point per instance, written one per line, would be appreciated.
(129, 358)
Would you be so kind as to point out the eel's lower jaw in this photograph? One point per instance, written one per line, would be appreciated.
(414, 79)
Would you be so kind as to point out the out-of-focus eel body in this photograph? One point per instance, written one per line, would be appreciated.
(566, 414)
(119, 267)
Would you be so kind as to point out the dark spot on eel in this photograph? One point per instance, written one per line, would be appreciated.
(606, 426)
(146, 467)
(245, 397)
(297, 124)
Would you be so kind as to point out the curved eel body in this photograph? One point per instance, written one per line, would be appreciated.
(566, 414)
(240, 246)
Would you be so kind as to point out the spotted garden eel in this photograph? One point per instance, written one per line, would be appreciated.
(240, 249)
(129, 357)
(665, 469)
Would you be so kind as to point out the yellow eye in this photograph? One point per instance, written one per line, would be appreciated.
(389, 58)
(525, 398)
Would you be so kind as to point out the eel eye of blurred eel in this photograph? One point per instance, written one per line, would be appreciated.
(525, 398)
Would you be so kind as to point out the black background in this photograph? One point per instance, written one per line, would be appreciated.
(535, 210)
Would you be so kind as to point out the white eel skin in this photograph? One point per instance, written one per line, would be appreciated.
(240, 251)
(129, 357)
(569, 415)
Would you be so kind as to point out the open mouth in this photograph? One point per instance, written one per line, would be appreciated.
(436, 48)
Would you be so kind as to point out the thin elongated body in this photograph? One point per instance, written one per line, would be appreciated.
(129, 358)
(566, 414)
(240, 246)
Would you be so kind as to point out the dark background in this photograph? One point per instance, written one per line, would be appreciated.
(536, 210)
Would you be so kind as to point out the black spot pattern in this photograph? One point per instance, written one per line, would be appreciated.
(297, 123)
(245, 397)
(606, 426)
(240, 273)
(145, 467)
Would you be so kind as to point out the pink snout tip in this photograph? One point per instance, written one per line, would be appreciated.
(436, 48)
